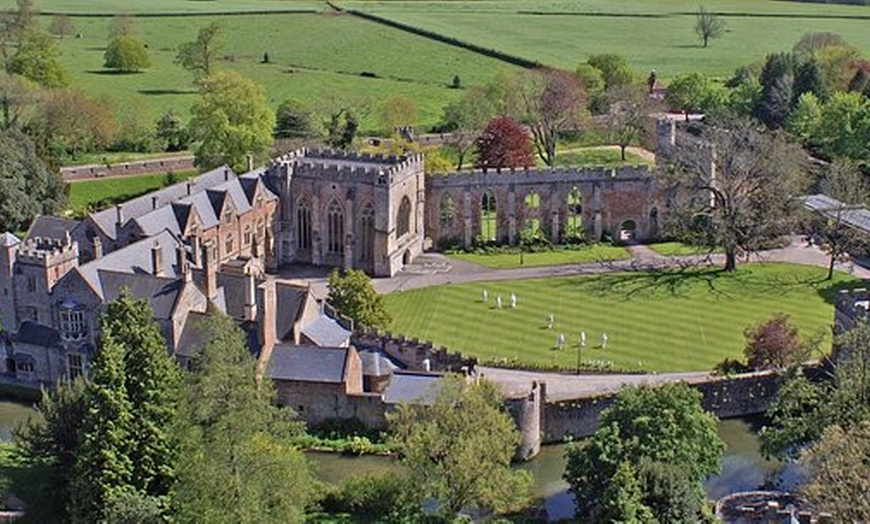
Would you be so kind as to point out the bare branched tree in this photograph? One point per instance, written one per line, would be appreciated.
(708, 25)
(734, 187)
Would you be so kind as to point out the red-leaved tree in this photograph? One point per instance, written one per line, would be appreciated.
(503, 144)
(773, 344)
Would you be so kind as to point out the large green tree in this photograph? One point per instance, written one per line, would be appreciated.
(236, 464)
(127, 54)
(465, 120)
(27, 186)
(293, 120)
(646, 424)
(459, 449)
(231, 120)
(353, 295)
(37, 58)
(199, 56)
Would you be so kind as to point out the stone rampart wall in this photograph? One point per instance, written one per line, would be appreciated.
(143, 167)
(413, 352)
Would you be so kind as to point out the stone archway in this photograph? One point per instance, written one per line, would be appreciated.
(406, 258)
(627, 231)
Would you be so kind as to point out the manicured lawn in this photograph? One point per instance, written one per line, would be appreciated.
(674, 321)
(654, 35)
(167, 6)
(593, 253)
(118, 157)
(671, 249)
(598, 157)
(321, 59)
(110, 190)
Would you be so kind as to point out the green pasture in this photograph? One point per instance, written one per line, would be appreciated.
(660, 321)
(671, 249)
(108, 7)
(86, 194)
(580, 255)
(609, 158)
(654, 35)
(317, 58)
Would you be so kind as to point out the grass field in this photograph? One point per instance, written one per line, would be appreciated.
(670, 249)
(654, 35)
(81, 7)
(317, 58)
(598, 157)
(86, 193)
(676, 321)
(593, 253)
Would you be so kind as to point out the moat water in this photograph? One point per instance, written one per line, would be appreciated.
(743, 467)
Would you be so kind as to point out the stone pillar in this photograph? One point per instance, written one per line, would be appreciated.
(348, 233)
(597, 228)
(316, 230)
(554, 226)
(512, 217)
(467, 218)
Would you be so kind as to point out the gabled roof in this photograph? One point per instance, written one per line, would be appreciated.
(307, 364)
(144, 204)
(8, 239)
(160, 292)
(45, 226)
(325, 332)
(132, 259)
(289, 300)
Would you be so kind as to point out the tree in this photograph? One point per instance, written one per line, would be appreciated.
(68, 122)
(451, 459)
(670, 494)
(776, 78)
(614, 68)
(62, 26)
(171, 133)
(845, 183)
(805, 119)
(740, 187)
(27, 187)
(236, 463)
(17, 95)
(293, 120)
(808, 79)
(127, 54)
(465, 120)
(811, 43)
(844, 127)
(504, 143)
(230, 120)
(550, 102)
(627, 112)
(122, 25)
(622, 500)
(773, 344)
(353, 295)
(36, 59)
(837, 64)
(802, 410)
(665, 424)
(838, 472)
(198, 56)
(708, 25)
(103, 467)
(51, 443)
(860, 82)
(398, 111)
(744, 97)
(692, 93)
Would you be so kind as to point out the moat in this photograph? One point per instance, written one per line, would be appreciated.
(743, 467)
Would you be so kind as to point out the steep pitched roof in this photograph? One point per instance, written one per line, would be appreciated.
(325, 332)
(144, 204)
(307, 364)
(45, 226)
(8, 239)
(289, 300)
(417, 388)
(34, 334)
(160, 292)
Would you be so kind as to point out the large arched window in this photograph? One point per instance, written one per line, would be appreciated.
(303, 225)
(575, 213)
(532, 223)
(488, 223)
(447, 209)
(335, 229)
(367, 232)
(403, 220)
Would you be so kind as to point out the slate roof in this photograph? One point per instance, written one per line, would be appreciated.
(377, 363)
(325, 332)
(307, 364)
(133, 259)
(233, 290)
(144, 204)
(8, 239)
(35, 334)
(289, 303)
(193, 335)
(45, 226)
(855, 216)
(417, 388)
(160, 292)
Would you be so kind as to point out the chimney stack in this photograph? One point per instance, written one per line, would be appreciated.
(157, 259)
(181, 261)
(190, 187)
(98, 248)
(196, 251)
(250, 297)
(119, 211)
(209, 262)
(154, 202)
(250, 158)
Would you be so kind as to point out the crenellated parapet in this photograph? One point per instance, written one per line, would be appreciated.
(412, 352)
(347, 166)
(48, 252)
(495, 177)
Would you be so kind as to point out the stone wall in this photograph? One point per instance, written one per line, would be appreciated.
(608, 200)
(412, 352)
(142, 167)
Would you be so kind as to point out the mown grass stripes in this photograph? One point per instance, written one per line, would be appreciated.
(678, 321)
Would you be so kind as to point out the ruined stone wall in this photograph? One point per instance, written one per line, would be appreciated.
(608, 198)
(121, 169)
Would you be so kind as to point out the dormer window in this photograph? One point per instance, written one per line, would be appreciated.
(73, 325)
(228, 217)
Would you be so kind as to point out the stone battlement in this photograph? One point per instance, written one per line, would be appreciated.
(349, 165)
(47, 251)
(488, 177)
(412, 352)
